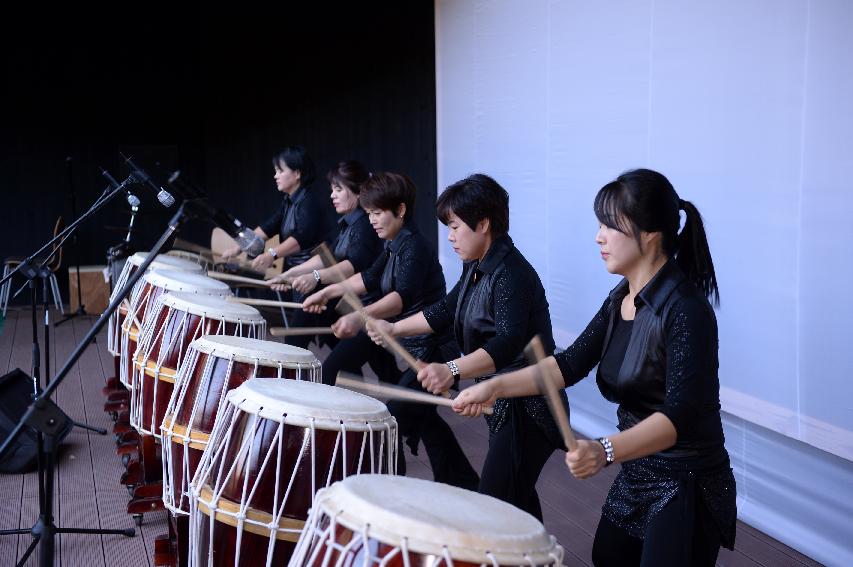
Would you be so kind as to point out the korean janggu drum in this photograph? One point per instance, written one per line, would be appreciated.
(274, 445)
(394, 521)
(143, 297)
(213, 366)
(161, 262)
(177, 319)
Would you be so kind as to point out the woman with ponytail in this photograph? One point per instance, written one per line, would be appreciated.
(654, 341)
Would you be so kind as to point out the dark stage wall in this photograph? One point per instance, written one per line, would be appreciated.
(212, 93)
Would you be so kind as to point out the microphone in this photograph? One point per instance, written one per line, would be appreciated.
(166, 199)
(249, 242)
(132, 199)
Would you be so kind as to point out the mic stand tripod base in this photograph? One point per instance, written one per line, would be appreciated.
(44, 530)
(81, 312)
(46, 418)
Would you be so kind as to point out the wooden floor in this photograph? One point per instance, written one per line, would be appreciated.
(89, 494)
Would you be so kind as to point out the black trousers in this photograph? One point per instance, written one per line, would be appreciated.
(299, 318)
(517, 453)
(349, 355)
(666, 540)
(415, 422)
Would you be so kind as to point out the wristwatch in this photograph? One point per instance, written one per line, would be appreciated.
(316, 275)
(608, 450)
(454, 370)
(272, 252)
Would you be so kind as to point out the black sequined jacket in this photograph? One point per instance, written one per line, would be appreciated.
(409, 266)
(670, 366)
(356, 240)
(307, 216)
(498, 305)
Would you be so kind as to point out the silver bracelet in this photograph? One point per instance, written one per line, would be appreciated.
(316, 275)
(608, 450)
(454, 369)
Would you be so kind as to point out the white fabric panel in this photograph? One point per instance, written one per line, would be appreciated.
(792, 491)
(826, 270)
(725, 128)
(746, 107)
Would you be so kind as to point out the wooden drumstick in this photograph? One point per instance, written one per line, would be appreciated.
(395, 392)
(265, 302)
(235, 263)
(239, 279)
(390, 342)
(536, 355)
(294, 331)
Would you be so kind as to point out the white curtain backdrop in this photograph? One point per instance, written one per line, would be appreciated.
(747, 107)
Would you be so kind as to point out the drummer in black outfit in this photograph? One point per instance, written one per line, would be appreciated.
(494, 310)
(655, 343)
(408, 277)
(355, 247)
(304, 218)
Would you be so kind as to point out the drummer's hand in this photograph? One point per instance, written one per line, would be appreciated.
(472, 400)
(304, 283)
(587, 459)
(279, 283)
(262, 262)
(435, 378)
(315, 303)
(347, 326)
(375, 329)
(231, 252)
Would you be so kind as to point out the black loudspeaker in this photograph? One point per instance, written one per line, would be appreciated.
(16, 393)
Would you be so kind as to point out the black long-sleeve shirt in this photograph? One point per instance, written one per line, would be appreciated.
(356, 240)
(499, 305)
(502, 307)
(409, 266)
(669, 363)
(306, 216)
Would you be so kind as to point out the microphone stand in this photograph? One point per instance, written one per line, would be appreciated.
(49, 422)
(44, 416)
(81, 309)
(105, 197)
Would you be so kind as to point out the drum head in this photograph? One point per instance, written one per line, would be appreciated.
(304, 404)
(172, 280)
(264, 353)
(165, 262)
(211, 306)
(431, 515)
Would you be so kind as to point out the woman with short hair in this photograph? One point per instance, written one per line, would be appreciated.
(407, 277)
(494, 310)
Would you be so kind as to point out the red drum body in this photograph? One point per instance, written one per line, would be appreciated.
(144, 296)
(177, 319)
(161, 262)
(213, 366)
(274, 445)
